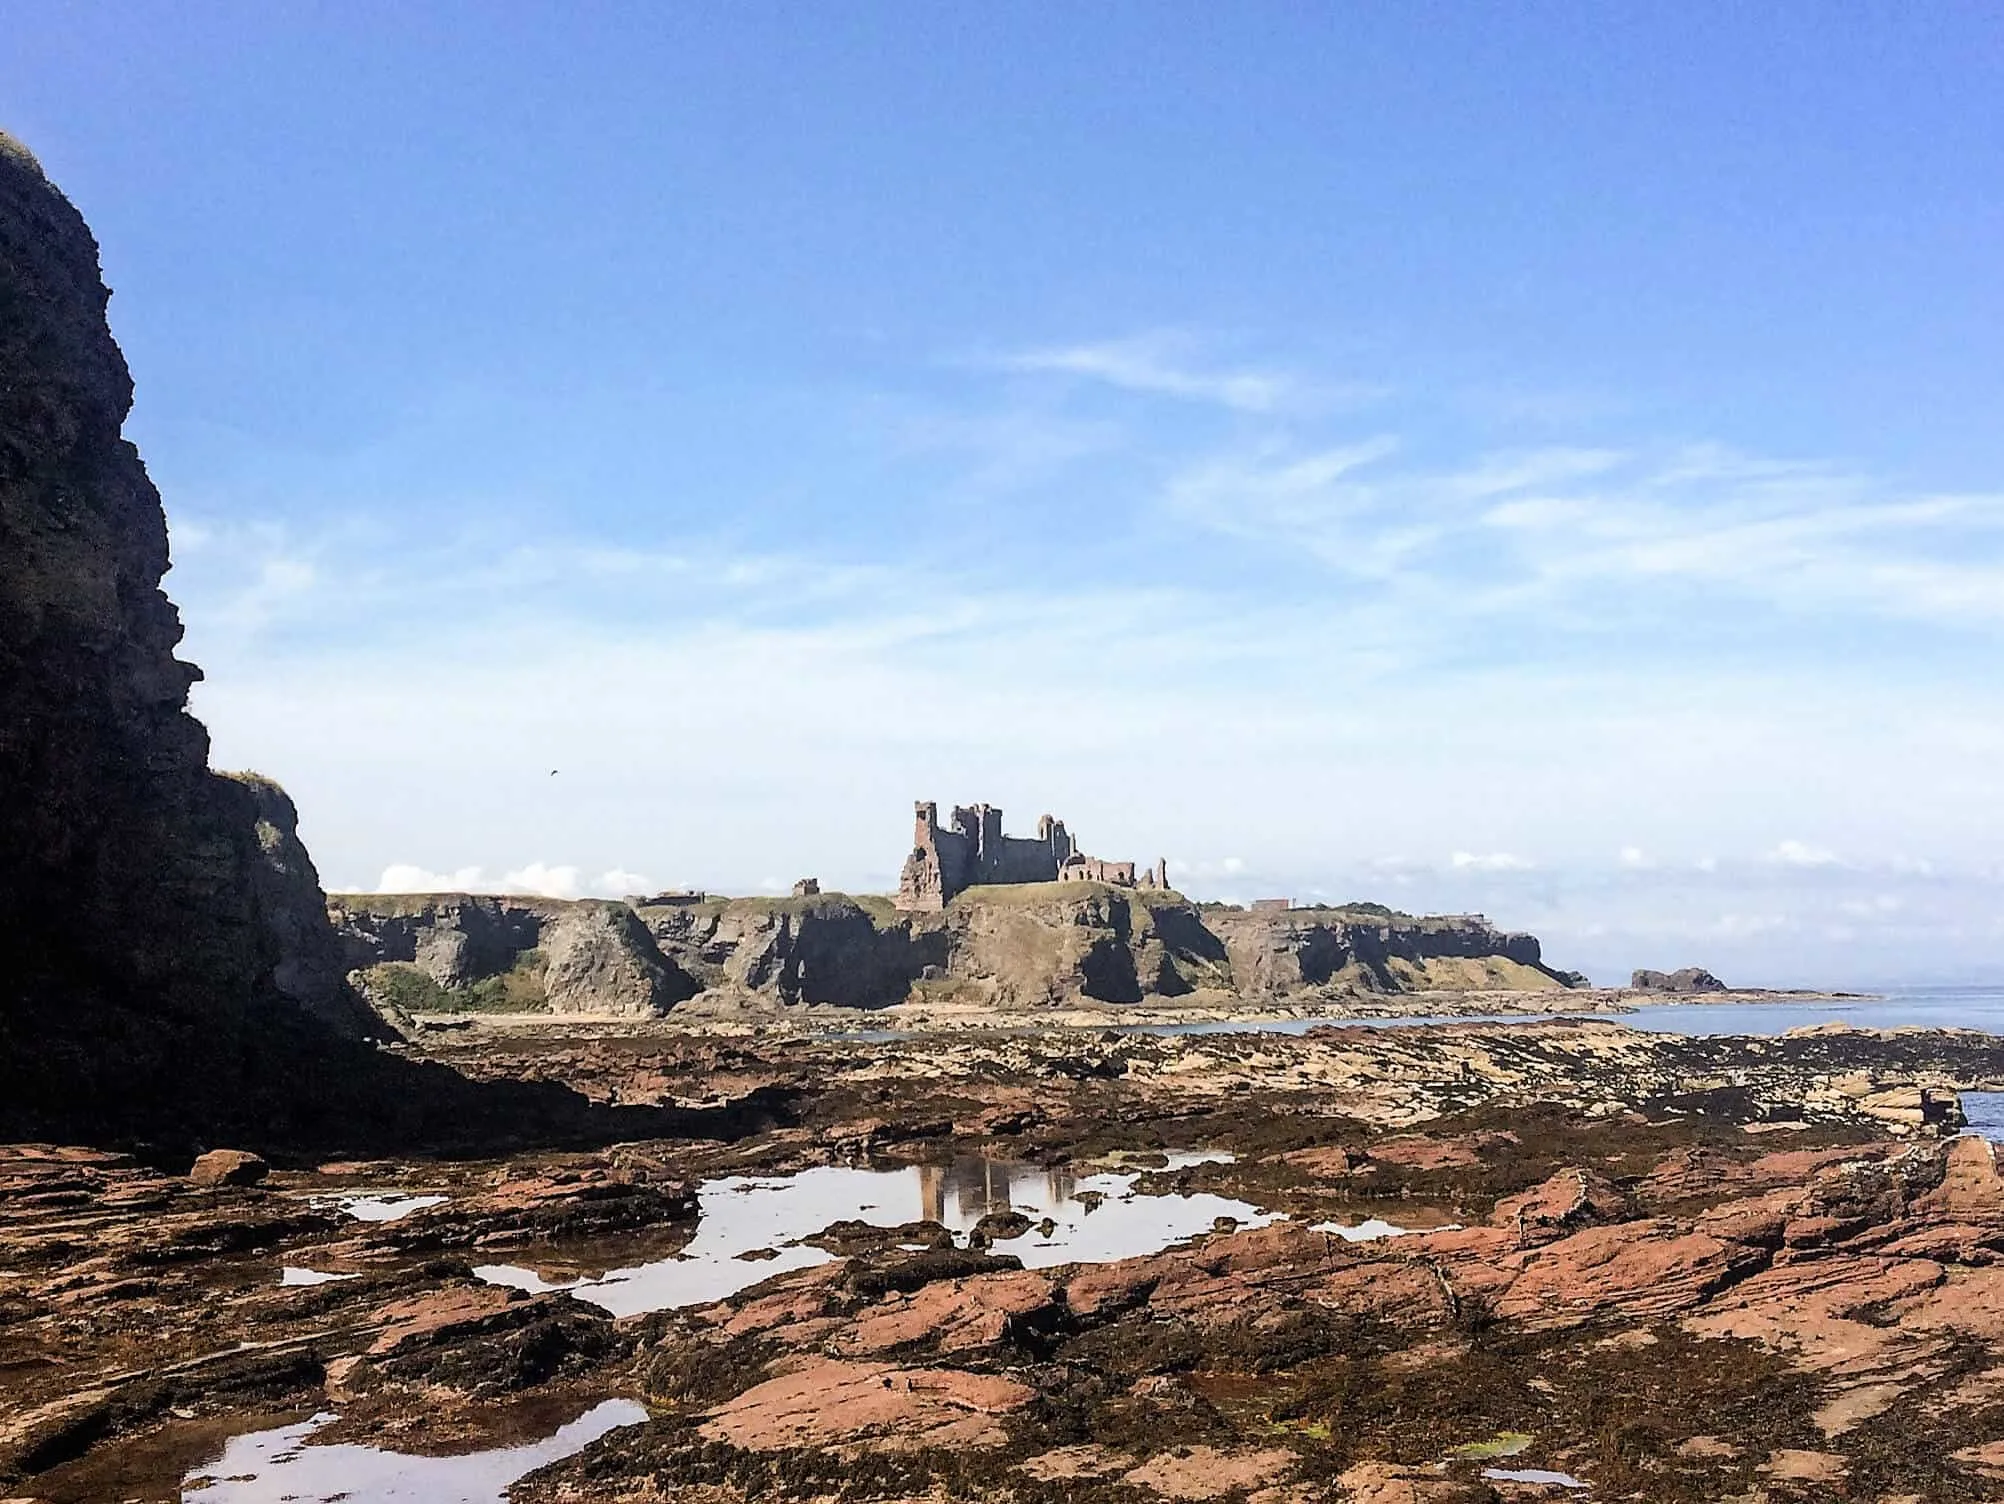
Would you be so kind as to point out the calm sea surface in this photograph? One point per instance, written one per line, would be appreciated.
(1905, 1007)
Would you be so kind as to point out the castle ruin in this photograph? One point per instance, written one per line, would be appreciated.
(972, 850)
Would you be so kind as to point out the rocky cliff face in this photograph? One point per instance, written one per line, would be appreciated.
(462, 951)
(167, 974)
(812, 948)
(1042, 943)
(1025, 945)
(141, 919)
(310, 970)
(1297, 950)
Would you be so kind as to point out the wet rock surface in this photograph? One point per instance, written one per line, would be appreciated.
(1671, 1269)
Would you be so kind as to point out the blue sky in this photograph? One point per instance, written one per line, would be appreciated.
(1548, 461)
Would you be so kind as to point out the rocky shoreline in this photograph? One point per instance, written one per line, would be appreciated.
(737, 1019)
(1676, 1268)
(803, 1199)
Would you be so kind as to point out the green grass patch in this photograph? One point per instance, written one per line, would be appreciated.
(517, 990)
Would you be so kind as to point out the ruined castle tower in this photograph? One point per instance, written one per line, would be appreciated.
(971, 849)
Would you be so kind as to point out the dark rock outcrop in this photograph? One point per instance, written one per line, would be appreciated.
(165, 969)
(1010, 945)
(311, 970)
(1687, 979)
(1276, 953)
(811, 948)
(588, 956)
(135, 899)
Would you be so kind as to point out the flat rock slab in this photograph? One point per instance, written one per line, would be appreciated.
(1208, 1473)
(829, 1402)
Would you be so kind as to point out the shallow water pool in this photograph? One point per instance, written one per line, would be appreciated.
(282, 1466)
(1095, 1218)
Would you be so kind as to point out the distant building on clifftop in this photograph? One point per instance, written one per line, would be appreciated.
(972, 850)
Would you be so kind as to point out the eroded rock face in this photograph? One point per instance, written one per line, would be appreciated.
(1017, 945)
(517, 954)
(812, 948)
(600, 959)
(1295, 950)
(311, 970)
(141, 921)
(165, 970)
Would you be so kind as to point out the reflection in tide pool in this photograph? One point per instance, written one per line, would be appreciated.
(289, 1275)
(379, 1208)
(1095, 1219)
(1372, 1228)
(267, 1467)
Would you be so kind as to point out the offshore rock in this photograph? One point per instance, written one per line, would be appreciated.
(1686, 979)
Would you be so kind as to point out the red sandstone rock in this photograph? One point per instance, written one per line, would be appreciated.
(1328, 1163)
(1971, 1189)
(1649, 1270)
(827, 1402)
(1208, 1473)
(1419, 1153)
(1988, 1459)
(424, 1317)
(1406, 1294)
(1571, 1199)
(1387, 1483)
(956, 1314)
(1795, 1466)
(228, 1167)
(1805, 1308)
(1757, 1221)
(1969, 1301)
(804, 1297)
(1086, 1460)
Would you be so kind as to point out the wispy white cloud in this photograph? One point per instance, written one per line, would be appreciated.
(1290, 640)
(541, 879)
(1803, 854)
(1515, 533)
(1490, 861)
(1158, 365)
